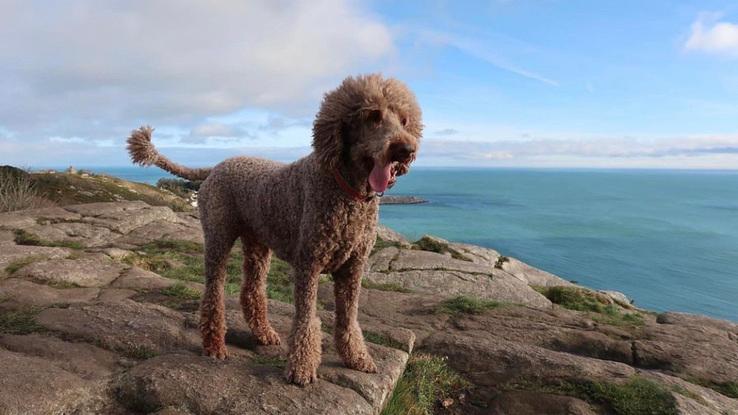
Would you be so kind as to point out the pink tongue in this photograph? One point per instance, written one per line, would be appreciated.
(379, 177)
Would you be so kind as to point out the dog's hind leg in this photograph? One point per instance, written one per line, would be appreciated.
(212, 308)
(256, 258)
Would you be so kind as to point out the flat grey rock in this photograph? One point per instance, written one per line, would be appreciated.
(140, 279)
(85, 360)
(16, 220)
(23, 292)
(122, 217)
(6, 237)
(235, 386)
(477, 254)
(161, 229)
(10, 253)
(128, 327)
(32, 385)
(84, 234)
(531, 275)
(52, 215)
(446, 284)
(91, 270)
(411, 259)
(380, 261)
(617, 296)
(390, 235)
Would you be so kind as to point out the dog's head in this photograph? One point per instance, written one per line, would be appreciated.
(370, 126)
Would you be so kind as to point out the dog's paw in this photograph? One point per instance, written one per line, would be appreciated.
(268, 338)
(363, 363)
(219, 353)
(301, 376)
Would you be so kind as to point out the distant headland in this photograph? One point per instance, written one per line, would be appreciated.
(401, 200)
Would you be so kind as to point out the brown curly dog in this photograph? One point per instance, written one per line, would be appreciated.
(318, 213)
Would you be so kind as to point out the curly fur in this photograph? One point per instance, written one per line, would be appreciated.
(300, 213)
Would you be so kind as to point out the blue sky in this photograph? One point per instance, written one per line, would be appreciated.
(502, 83)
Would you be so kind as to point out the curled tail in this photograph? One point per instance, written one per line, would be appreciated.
(143, 152)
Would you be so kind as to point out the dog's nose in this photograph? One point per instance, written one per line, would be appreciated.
(402, 151)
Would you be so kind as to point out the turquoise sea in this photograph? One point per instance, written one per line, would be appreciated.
(668, 239)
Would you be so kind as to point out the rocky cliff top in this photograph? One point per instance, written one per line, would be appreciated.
(52, 188)
(98, 315)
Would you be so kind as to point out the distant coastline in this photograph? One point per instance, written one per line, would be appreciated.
(401, 200)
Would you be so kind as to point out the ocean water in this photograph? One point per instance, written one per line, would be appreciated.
(668, 239)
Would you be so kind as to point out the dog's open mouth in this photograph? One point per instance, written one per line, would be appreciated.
(382, 177)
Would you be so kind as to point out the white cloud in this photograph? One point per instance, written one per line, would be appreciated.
(57, 139)
(217, 129)
(446, 132)
(624, 151)
(97, 69)
(713, 36)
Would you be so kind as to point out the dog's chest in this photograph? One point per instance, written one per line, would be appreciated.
(354, 234)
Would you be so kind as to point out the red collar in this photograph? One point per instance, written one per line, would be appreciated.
(350, 191)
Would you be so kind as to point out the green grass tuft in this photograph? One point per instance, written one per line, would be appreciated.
(19, 322)
(500, 261)
(689, 394)
(386, 286)
(62, 284)
(383, 340)
(575, 298)
(636, 397)
(183, 260)
(429, 244)
(23, 237)
(232, 288)
(729, 389)
(466, 305)
(426, 380)
(16, 265)
(279, 281)
(182, 292)
(613, 316)
(274, 361)
(380, 244)
(599, 305)
(138, 351)
(163, 245)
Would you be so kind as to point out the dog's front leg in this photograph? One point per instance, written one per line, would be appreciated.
(305, 350)
(348, 336)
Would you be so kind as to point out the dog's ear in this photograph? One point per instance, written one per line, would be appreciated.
(328, 142)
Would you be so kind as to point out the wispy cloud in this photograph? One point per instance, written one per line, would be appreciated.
(446, 132)
(66, 140)
(675, 152)
(217, 129)
(482, 52)
(617, 147)
(713, 36)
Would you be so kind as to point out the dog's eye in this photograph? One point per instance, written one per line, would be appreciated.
(375, 116)
(405, 121)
